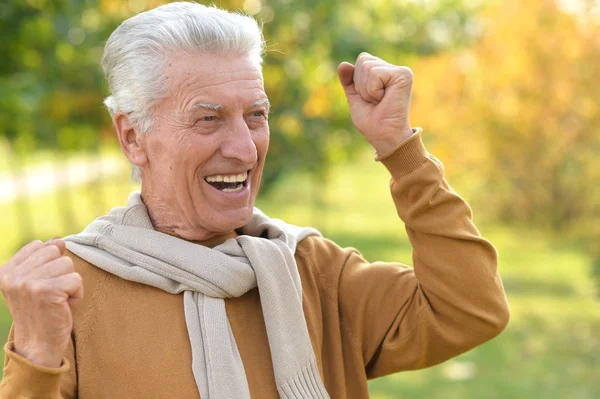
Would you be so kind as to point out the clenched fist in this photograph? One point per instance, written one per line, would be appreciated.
(39, 285)
(378, 94)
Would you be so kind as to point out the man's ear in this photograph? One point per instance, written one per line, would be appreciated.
(131, 140)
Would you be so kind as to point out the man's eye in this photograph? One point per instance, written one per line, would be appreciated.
(208, 118)
(258, 113)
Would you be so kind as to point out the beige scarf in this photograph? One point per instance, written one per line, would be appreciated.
(125, 244)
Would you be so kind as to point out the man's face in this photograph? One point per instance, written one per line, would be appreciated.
(206, 156)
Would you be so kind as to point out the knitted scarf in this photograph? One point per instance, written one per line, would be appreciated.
(124, 243)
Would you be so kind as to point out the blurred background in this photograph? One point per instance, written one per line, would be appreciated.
(508, 94)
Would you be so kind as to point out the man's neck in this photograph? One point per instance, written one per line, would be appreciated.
(209, 242)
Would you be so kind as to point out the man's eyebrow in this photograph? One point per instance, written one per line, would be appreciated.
(261, 102)
(212, 107)
(219, 107)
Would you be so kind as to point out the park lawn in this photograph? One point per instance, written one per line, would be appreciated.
(551, 348)
(46, 158)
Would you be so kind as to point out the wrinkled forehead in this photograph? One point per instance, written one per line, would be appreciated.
(232, 81)
(209, 62)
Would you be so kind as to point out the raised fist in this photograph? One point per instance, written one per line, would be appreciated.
(378, 94)
(40, 285)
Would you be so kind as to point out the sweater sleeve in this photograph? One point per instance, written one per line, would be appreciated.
(24, 379)
(402, 318)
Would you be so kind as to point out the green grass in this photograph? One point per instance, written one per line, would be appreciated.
(45, 158)
(551, 348)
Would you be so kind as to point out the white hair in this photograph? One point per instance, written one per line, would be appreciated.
(137, 53)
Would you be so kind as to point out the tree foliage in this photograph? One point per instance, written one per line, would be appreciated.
(51, 88)
(522, 106)
(51, 85)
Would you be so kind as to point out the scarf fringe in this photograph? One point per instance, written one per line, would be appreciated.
(306, 384)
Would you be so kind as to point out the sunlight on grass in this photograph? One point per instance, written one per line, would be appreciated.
(551, 348)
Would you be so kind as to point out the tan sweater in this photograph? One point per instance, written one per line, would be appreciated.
(365, 320)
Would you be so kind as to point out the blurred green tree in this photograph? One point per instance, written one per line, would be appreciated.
(51, 86)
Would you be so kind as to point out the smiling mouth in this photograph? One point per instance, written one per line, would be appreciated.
(228, 183)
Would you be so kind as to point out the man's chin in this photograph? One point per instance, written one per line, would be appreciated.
(234, 219)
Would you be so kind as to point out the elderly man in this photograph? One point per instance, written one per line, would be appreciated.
(192, 292)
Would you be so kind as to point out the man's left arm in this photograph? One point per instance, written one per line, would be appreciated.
(453, 300)
(401, 318)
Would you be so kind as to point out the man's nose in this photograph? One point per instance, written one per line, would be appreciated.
(238, 142)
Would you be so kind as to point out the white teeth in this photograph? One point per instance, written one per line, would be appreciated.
(233, 190)
(239, 178)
